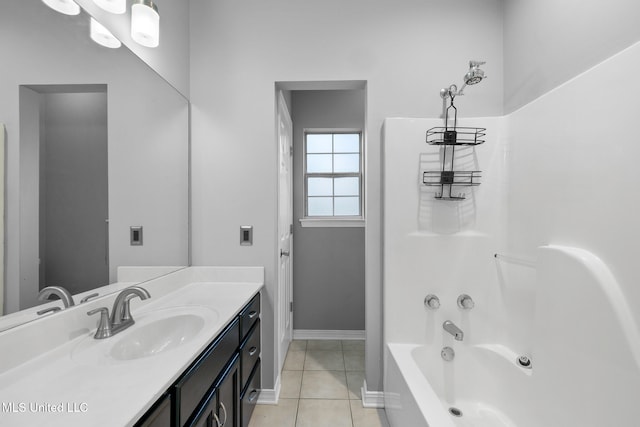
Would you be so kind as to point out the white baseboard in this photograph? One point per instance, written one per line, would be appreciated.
(270, 396)
(312, 334)
(371, 399)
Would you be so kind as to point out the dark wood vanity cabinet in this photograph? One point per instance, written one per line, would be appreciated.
(221, 386)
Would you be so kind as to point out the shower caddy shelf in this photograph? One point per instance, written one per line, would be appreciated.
(447, 136)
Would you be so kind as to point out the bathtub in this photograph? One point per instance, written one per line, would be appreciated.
(423, 390)
(585, 359)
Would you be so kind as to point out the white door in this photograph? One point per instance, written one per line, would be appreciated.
(285, 228)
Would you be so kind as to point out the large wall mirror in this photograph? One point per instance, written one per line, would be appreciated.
(96, 146)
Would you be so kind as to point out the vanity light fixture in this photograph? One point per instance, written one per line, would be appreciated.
(145, 23)
(113, 6)
(102, 36)
(68, 7)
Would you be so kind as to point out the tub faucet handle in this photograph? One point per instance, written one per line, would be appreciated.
(432, 302)
(465, 302)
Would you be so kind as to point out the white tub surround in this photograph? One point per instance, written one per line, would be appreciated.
(57, 375)
(565, 308)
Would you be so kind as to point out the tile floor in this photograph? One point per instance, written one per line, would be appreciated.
(321, 384)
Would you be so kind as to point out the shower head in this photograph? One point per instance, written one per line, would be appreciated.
(475, 74)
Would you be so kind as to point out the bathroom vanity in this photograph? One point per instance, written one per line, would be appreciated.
(221, 387)
(192, 358)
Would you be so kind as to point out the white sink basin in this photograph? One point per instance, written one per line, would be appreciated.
(157, 336)
(154, 333)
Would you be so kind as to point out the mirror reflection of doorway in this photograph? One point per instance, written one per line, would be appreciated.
(63, 188)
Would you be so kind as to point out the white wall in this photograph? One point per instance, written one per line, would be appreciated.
(171, 58)
(406, 52)
(148, 170)
(547, 42)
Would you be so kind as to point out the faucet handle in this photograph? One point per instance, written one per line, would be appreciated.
(104, 327)
(431, 301)
(465, 302)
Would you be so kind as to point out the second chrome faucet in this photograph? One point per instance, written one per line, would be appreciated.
(120, 318)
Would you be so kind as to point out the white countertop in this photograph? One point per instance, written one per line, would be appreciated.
(57, 388)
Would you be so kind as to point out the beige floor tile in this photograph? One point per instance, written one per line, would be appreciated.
(294, 361)
(353, 345)
(355, 380)
(354, 360)
(324, 385)
(324, 413)
(282, 415)
(318, 360)
(298, 345)
(367, 417)
(324, 345)
(291, 384)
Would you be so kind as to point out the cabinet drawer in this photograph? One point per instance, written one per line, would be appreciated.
(249, 315)
(250, 396)
(250, 352)
(200, 377)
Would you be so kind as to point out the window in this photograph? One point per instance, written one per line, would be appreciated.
(333, 174)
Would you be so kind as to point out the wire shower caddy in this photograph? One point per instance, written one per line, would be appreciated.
(451, 137)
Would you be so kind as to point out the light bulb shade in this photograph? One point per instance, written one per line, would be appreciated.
(102, 36)
(68, 7)
(113, 6)
(145, 23)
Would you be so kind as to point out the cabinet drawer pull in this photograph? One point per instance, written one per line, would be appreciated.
(253, 395)
(215, 416)
(225, 414)
(252, 351)
(253, 314)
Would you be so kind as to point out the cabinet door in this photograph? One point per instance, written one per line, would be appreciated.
(207, 417)
(229, 397)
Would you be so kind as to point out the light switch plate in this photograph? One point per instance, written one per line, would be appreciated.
(246, 235)
(135, 234)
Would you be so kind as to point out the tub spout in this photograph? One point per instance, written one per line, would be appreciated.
(450, 327)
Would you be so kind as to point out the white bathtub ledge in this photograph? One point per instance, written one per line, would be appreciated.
(420, 391)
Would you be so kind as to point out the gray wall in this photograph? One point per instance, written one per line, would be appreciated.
(547, 42)
(328, 263)
(74, 232)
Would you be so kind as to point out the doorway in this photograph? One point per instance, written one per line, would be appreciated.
(328, 264)
(64, 188)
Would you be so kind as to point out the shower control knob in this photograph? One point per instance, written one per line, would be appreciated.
(465, 302)
(431, 301)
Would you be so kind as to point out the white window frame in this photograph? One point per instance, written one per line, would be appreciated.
(332, 221)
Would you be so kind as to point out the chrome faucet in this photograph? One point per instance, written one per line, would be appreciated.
(120, 318)
(61, 292)
(450, 327)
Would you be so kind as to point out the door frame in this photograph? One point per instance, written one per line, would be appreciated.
(284, 299)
